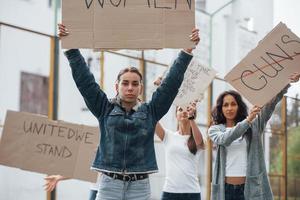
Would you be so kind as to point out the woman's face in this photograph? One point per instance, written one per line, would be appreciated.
(229, 107)
(129, 87)
(181, 114)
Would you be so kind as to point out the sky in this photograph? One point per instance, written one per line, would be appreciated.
(288, 11)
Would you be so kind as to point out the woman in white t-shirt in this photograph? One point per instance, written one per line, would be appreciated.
(181, 182)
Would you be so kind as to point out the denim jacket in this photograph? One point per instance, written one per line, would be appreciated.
(257, 186)
(127, 138)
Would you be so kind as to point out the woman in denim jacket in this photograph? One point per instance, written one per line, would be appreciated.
(239, 170)
(125, 155)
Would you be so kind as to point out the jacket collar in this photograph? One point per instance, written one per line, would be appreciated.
(117, 100)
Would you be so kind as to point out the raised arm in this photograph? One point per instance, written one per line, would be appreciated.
(165, 94)
(159, 131)
(266, 112)
(268, 109)
(95, 99)
(220, 136)
(198, 137)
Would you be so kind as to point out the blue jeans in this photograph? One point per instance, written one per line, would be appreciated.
(93, 194)
(114, 189)
(180, 196)
(234, 192)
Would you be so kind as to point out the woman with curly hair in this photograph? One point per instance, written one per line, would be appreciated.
(240, 171)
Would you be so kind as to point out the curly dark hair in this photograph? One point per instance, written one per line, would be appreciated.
(217, 114)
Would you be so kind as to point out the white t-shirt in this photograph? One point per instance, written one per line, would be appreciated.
(181, 165)
(236, 158)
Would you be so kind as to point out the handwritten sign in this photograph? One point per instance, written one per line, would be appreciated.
(265, 70)
(128, 24)
(35, 143)
(196, 79)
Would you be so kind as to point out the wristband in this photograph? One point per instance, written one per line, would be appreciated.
(191, 117)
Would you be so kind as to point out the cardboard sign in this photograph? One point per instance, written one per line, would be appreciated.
(196, 79)
(35, 143)
(128, 24)
(264, 72)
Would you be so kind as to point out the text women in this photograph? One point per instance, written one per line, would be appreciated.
(118, 3)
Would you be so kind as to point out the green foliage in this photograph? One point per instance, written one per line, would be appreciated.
(293, 151)
(275, 155)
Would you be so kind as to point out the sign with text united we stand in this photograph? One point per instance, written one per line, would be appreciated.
(128, 24)
(35, 143)
(264, 72)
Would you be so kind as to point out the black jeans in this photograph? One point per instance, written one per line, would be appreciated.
(234, 192)
(180, 196)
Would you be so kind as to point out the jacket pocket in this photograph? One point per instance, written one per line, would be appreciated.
(105, 179)
(115, 120)
(140, 120)
(140, 115)
(256, 186)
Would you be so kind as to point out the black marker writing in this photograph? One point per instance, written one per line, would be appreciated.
(156, 4)
(53, 150)
(45, 129)
(273, 62)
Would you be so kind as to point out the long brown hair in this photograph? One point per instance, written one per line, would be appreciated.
(191, 143)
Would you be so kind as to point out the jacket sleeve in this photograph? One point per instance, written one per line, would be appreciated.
(268, 110)
(95, 99)
(225, 138)
(165, 94)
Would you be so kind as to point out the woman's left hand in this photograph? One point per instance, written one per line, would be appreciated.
(194, 37)
(253, 113)
(294, 77)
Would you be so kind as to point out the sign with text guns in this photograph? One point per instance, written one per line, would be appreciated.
(128, 24)
(35, 143)
(264, 72)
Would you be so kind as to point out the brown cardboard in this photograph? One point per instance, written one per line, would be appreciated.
(128, 24)
(35, 143)
(264, 72)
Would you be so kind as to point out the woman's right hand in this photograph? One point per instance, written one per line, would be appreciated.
(253, 113)
(191, 109)
(62, 30)
(51, 182)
